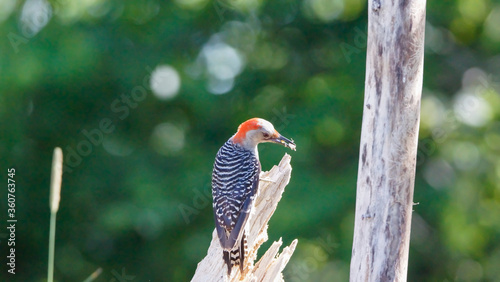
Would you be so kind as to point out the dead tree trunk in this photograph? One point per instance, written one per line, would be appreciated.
(269, 267)
(389, 138)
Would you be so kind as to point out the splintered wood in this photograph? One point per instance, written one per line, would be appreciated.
(270, 266)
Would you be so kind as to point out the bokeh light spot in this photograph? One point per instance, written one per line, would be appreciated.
(464, 30)
(269, 56)
(223, 61)
(324, 10)
(439, 174)
(492, 25)
(165, 82)
(191, 4)
(474, 77)
(117, 147)
(35, 15)
(475, 10)
(432, 112)
(6, 8)
(469, 270)
(219, 86)
(149, 224)
(168, 138)
(465, 155)
(68, 11)
(472, 109)
(329, 131)
(492, 136)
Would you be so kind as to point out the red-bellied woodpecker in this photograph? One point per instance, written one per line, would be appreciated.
(235, 180)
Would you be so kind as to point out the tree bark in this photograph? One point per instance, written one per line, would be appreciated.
(389, 138)
(270, 266)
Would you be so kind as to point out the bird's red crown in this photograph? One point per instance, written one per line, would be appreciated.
(248, 125)
(253, 124)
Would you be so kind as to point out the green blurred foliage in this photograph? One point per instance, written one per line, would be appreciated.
(141, 94)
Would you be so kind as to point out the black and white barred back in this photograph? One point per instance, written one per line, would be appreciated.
(235, 180)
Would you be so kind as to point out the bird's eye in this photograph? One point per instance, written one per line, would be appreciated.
(266, 135)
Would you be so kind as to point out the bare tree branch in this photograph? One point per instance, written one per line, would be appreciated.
(389, 138)
(270, 266)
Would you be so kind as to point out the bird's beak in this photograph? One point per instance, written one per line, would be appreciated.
(284, 141)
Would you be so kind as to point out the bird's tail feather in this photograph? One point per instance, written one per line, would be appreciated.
(236, 256)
